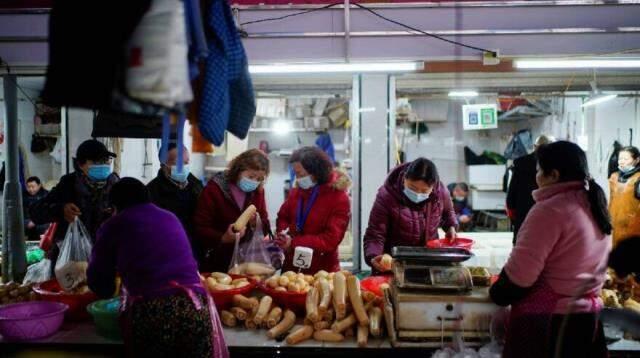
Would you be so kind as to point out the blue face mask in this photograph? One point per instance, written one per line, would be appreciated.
(306, 182)
(99, 172)
(180, 177)
(415, 197)
(248, 185)
(626, 169)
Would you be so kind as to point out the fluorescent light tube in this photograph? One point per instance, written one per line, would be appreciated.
(560, 64)
(599, 99)
(463, 94)
(337, 67)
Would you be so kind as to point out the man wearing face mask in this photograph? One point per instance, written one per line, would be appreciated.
(409, 208)
(624, 204)
(177, 192)
(83, 194)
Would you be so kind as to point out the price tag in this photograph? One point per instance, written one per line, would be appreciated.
(302, 257)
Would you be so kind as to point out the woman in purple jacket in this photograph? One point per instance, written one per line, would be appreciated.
(167, 312)
(409, 209)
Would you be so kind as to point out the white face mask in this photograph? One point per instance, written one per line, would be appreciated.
(180, 177)
(306, 182)
(415, 197)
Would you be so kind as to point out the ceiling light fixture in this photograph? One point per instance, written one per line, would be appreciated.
(337, 67)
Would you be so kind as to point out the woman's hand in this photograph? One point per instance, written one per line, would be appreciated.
(452, 234)
(71, 211)
(284, 241)
(230, 236)
(377, 264)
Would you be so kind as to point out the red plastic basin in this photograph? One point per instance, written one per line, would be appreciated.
(459, 243)
(52, 292)
(223, 299)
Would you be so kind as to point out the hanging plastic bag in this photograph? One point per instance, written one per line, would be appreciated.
(75, 251)
(252, 257)
(39, 272)
(158, 68)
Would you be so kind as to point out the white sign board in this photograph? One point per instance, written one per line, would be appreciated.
(302, 257)
(479, 116)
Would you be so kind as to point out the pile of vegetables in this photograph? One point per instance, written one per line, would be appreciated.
(219, 281)
(13, 292)
(336, 308)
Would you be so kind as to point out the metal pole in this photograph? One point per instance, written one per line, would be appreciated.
(14, 261)
(347, 31)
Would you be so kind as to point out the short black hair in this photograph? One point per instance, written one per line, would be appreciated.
(422, 169)
(463, 186)
(34, 179)
(128, 192)
(315, 161)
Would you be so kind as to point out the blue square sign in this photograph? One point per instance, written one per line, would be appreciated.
(473, 118)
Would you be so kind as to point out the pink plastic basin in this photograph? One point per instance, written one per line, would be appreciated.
(31, 320)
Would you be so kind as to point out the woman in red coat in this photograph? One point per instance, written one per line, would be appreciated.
(317, 212)
(223, 200)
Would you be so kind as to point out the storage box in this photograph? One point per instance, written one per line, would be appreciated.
(488, 199)
(486, 175)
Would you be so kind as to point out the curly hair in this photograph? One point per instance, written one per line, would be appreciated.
(315, 162)
(252, 159)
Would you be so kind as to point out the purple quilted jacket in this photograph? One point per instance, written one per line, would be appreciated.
(396, 221)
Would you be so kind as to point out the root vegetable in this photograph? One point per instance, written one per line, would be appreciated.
(222, 287)
(375, 319)
(325, 301)
(363, 335)
(329, 316)
(281, 289)
(263, 309)
(272, 282)
(312, 305)
(353, 286)
(250, 323)
(228, 319)
(300, 335)
(342, 325)
(244, 303)
(259, 269)
(222, 278)
(283, 281)
(309, 279)
(283, 326)
(238, 280)
(318, 326)
(274, 317)
(211, 283)
(321, 274)
(241, 284)
(239, 313)
(244, 218)
(386, 261)
(327, 335)
(339, 295)
(368, 296)
(349, 332)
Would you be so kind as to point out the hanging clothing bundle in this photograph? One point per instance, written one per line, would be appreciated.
(228, 101)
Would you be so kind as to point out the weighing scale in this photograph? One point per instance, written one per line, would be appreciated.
(433, 299)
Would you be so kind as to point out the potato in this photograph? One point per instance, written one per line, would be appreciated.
(309, 279)
(236, 281)
(281, 289)
(283, 281)
(222, 278)
(241, 284)
(386, 261)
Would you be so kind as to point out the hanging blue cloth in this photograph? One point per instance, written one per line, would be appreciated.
(324, 142)
(198, 50)
(228, 101)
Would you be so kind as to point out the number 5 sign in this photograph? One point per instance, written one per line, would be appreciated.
(302, 257)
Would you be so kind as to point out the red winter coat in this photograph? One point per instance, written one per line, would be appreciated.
(396, 221)
(216, 210)
(325, 226)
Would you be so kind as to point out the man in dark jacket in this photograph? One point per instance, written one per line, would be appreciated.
(177, 192)
(82, 194)
(33, 194)
(523, 183)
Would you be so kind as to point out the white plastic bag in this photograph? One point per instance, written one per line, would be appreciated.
(158, 67)
(252, 257)
(38, 272)
(73, 260)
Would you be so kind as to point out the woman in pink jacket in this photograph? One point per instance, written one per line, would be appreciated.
(557, 268)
